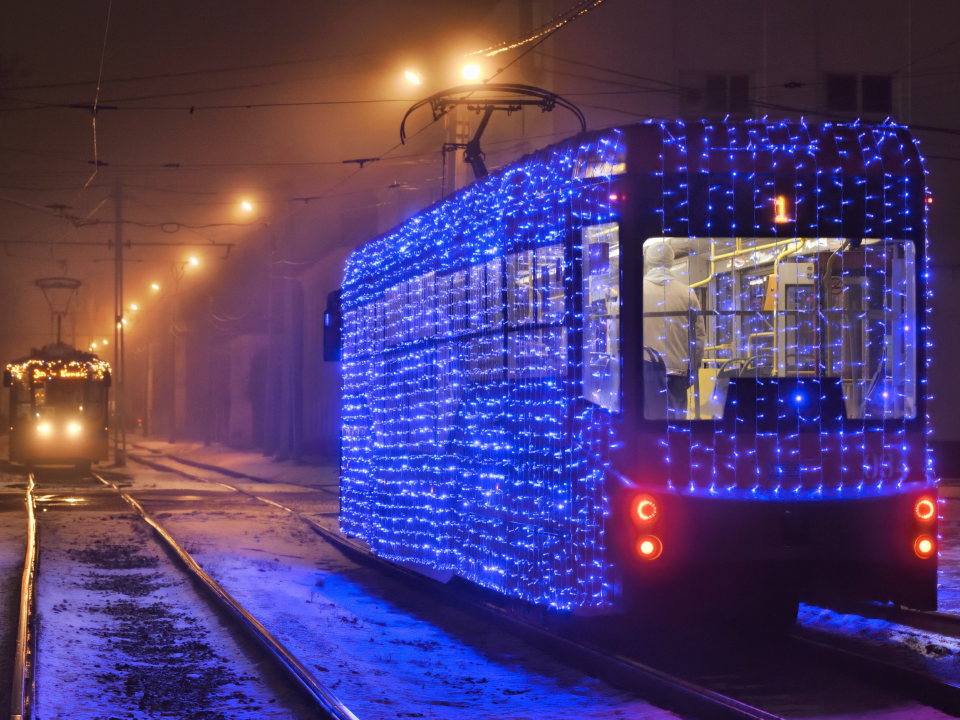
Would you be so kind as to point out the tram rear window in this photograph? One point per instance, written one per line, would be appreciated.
(720, 308)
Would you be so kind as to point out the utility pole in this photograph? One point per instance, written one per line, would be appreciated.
(120, 430)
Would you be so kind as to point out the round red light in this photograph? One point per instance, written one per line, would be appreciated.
(645, 509)
(924, 546)
(649, 547)
(925, 509)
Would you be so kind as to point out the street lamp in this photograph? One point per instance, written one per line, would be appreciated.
(412, 77)
(154, 287)
(194, 261)
(471, 72)
(246, 205)
(133, 306)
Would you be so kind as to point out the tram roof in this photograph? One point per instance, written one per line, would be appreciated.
(58, 353)
(843, 177)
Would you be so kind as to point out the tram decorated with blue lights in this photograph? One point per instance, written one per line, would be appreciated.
(658, 356)
(59, 407)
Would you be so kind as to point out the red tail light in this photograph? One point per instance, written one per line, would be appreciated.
(924, 546)
(645, 509)
(649, 547)
(925, 509)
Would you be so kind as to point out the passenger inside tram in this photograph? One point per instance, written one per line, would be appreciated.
(673, 332)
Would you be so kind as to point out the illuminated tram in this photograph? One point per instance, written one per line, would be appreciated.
(662, 356)
(59, 407)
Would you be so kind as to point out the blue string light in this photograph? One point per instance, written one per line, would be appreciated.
(482, 411)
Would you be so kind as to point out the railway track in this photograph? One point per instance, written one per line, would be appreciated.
(299, 692)
(672, 690)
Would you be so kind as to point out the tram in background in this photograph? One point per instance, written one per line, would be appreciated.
(59, 407)
(650, 363)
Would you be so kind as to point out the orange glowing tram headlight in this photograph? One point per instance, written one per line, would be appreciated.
(649, 547)
(645, 509)
(924, 546)
(925, 509)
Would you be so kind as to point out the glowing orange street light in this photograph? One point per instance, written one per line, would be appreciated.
(154, 287)
(134, 306)
(194, 261)
(412, 77)
(246, 205)
(471, 72)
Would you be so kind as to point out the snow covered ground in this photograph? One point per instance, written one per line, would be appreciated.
(122, 632)
(929, 652)
(387, 650)
(325, 478)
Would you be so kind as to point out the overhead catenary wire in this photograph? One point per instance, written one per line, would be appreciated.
(195, 73)
(191, 109)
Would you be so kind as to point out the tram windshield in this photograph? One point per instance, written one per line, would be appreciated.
(722, 308)
(68, 397)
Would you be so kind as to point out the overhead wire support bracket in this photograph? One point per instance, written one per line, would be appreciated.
(360, 161)
(502, 97)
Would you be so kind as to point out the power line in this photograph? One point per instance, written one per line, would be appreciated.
(191, 109)
(194, 73)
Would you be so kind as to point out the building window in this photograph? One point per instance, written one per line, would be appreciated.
(876, 93)
(714, 95)
(842, 92)
(846, 92)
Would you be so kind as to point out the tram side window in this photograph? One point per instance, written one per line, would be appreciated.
(536, 335)
(422, 298)
(93, 398)
(550, 296)
(520, 273)
(601, 315)
(673, 327)
(486, 322)
(22, 400)
(452, 304)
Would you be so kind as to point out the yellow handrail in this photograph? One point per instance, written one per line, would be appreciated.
(736, 253)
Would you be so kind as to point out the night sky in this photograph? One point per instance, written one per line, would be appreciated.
(180, 55)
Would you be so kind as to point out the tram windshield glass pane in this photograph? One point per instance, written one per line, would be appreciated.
(722, 308)
(68, 397)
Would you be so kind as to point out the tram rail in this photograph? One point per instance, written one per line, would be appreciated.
(671, 691)
(937, 622)
(24, 661)
(325, 704)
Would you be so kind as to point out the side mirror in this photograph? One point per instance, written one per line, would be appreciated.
(7, 378)
(332, 328)
(107, 380)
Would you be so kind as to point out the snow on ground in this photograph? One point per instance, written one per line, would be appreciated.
(929, 652)
(325, 479)
(122, 632)
(385, 649)
(13, 533)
